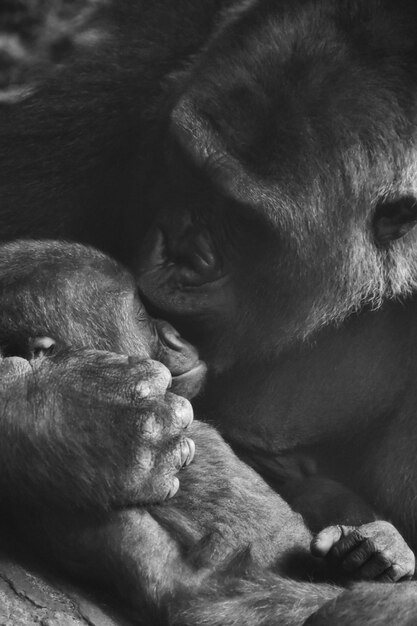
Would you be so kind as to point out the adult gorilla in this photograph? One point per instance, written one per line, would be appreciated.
(285, 246)
(277, 141)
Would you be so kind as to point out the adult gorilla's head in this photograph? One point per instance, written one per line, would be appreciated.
(288, 190)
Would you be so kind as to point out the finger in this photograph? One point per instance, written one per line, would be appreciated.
(112, 376)
(150, 426)
(187, 451)
(358, 556)
(140, 381)
(374, 567)
(181, 411)
(325, 540)
(164, 420)
(158, 490)
(151, 378)
(393, 574)
(352, 539)
(174, 456)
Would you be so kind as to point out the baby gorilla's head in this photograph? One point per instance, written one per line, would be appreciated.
(57, 295)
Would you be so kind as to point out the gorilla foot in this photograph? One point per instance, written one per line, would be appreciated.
(374, 551)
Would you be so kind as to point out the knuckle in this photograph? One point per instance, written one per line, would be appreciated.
(142, 389)
(357, 557)
(346, 531)
(158, 376)
(382, 559)
(144, 459)
(396, 572)
(150, 425)
(182, 410)
(145, 380)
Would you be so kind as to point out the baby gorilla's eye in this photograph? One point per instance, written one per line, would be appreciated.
(42, 346)
(146, 334)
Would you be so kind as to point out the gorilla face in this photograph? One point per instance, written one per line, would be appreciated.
(61, 296)
(197, 266)
(287, 190)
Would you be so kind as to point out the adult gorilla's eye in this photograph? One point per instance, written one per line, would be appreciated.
(394, 219)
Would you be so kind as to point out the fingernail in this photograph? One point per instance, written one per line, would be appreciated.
(191, 453)
(174, 487)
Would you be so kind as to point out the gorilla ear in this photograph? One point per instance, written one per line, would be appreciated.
(394, 219)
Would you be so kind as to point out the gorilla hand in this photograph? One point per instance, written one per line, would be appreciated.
(374, 551)
(90, 429)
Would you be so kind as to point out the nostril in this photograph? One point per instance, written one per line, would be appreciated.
(177, 354)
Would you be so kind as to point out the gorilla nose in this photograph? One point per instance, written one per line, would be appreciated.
(181, 358)
(172, 338)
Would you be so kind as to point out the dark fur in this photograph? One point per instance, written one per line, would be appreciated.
(290, 167)
(292, 151)
(224, 518)
(225, 546)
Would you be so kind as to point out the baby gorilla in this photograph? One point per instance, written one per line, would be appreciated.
(225, 533)
(57, 298)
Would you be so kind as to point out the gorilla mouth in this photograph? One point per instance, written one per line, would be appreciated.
(182, 360)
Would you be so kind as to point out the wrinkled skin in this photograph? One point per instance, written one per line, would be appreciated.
(169, 560)
(288, 144)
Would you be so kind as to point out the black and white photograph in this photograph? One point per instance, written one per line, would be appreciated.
(208, 312)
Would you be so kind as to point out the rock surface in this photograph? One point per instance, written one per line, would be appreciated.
(30, 596)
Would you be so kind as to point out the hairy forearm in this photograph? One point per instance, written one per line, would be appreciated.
(90, 429)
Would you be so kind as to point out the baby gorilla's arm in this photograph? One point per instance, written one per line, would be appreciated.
(223, 511)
